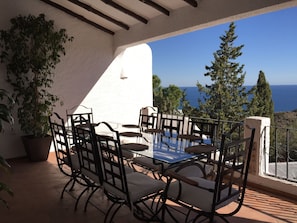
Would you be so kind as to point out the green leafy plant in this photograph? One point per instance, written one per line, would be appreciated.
(6, 103)
(4, 187)
(31, 48)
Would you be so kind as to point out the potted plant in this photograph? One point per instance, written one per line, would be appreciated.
(5, 116)
(31, 49)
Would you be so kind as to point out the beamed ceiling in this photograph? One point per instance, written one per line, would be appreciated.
(112, 15)
(136, 21)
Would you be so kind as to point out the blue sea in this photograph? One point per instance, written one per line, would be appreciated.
(284, 97)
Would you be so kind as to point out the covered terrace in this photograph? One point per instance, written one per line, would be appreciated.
(108, 67)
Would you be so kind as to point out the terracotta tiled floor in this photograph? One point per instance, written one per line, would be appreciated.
(37, 188)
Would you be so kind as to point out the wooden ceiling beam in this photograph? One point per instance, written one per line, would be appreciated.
(192, 2)
(95, 11)
(60, 7)
(126, 11)
(156, 6)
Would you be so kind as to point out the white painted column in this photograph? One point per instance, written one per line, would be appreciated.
(260, 154)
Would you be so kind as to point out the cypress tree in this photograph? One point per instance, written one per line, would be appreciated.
(262, 103)
(226, 97)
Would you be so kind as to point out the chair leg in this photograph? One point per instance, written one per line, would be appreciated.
(113, 212)
(146, 212)
(211, 218)
(166, 210)
(86, 204)
(66, 185)
(80, 195)
(156, 201)
(72, 186)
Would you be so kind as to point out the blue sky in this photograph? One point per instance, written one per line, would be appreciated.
(270, 45)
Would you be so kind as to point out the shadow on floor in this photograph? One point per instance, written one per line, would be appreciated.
(37, 187)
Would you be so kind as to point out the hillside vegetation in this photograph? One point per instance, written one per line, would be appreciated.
(286, 119)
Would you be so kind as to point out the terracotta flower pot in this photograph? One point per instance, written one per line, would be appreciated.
(37, 149)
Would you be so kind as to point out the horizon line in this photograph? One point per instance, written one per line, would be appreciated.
(248, 85)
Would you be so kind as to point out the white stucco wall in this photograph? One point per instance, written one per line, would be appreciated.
(89, 74)
(124, 87)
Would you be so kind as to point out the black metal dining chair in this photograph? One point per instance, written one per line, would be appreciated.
(149, 120)
(131, 189)
(89, 161)
(172, 125)
(204, 197)
(205, 133)
(200, 130)
(67, 159)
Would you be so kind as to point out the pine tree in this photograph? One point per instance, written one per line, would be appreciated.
(262, 103)
(166, 99)
(226, 97)
(157, 93)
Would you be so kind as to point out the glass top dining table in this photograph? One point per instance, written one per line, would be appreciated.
(158, 147)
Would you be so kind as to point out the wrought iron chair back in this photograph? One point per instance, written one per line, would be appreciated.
(88, 152)
(89, 159)
(172, 125)
(84, 118)
(233, 166)
(148, 119)
(114, 174)
(206, 130)
(67, 160)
